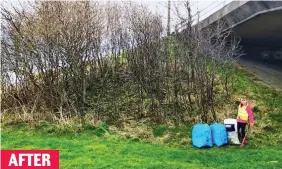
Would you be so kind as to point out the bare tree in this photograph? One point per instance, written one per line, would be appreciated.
(112, 61)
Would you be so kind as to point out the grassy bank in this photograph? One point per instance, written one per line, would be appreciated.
(142, 145)
(87, 150)
(267, 107)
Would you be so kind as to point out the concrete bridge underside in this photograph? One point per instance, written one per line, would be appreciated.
(264, 30)
(257, 23)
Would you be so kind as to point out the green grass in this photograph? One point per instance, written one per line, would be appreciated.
(87, 150)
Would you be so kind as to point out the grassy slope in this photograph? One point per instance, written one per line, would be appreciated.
(87, 150)
(267, 108)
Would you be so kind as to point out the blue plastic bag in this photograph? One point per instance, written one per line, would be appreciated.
(201, 135)
(219, 134)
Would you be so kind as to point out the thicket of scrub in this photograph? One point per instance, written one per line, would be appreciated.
(90, 61)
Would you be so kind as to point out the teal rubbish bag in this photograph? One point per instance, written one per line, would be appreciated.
(219, 134)
(201, 135)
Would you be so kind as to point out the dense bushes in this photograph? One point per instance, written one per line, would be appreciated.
(64, 60)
